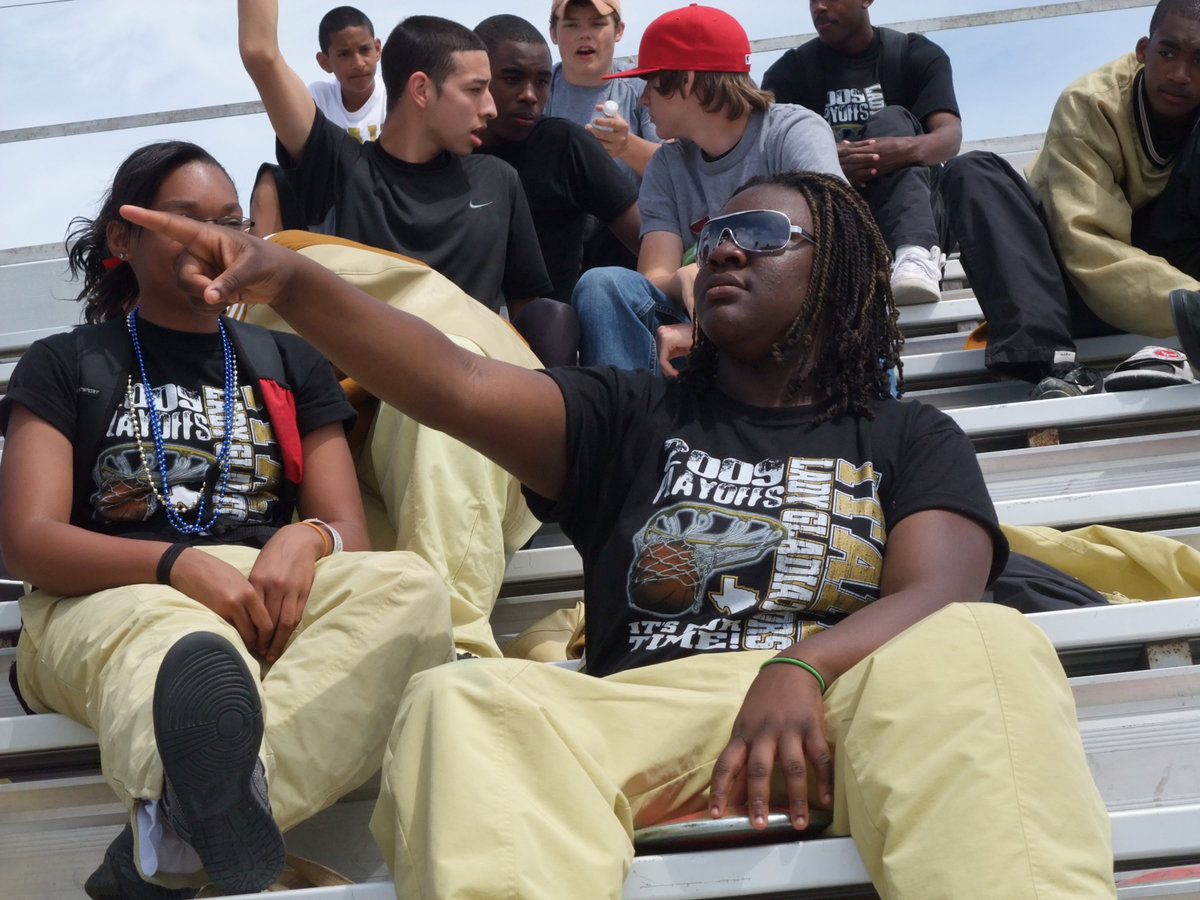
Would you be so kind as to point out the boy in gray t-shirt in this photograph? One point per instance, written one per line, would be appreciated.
(696, 63)
(586, 32)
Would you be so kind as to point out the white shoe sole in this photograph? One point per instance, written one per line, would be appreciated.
(910, 291)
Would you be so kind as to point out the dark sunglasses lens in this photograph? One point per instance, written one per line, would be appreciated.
(757, 231)
(762, 231)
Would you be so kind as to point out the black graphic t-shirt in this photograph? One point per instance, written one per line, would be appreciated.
(113, 492)
(707, 525)
(852, 88)
(567, 176)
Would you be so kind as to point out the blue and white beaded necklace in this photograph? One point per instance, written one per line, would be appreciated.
(175, 510)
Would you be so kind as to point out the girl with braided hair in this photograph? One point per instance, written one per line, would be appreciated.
(862, 340)
(781, 564)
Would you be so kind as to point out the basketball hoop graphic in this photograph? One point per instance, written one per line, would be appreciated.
(682, 545)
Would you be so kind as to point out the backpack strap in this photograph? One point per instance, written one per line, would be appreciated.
(105, 358)
(892, 56)
(257, 348)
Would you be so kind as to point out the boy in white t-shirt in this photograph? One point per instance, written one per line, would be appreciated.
(349, 52)
(355, 100)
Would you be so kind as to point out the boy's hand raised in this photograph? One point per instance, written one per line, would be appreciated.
(221, 265)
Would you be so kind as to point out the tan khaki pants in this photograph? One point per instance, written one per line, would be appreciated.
(959, 769)
(425, 492)
(371, 621)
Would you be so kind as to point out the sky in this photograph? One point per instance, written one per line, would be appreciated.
(70, 60)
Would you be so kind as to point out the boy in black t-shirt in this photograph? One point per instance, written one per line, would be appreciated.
(416, 190)
(889, 98)
(566, 174)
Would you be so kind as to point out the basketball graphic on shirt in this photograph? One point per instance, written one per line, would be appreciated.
(124, 501)
(668, 578)
(679, 548)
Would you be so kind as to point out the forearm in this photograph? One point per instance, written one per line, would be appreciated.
(838, 649)
(941, 141)
(637, 153)
(68, 560)
(288, 103)
(258, 34)
(933, 557)
(510, 414)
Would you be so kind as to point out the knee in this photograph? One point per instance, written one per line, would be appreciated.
(963, 168)
(598, 290)
(439, 687)
(892, 121)
(551, 329)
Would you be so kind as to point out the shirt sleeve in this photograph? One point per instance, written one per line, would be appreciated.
(656, 197)
(317, 175)
(784, 79)
(938, 469)
(525, 275)
(44, 382)
(320, 400)
(807, 142)
(930, 78)
(599, 401)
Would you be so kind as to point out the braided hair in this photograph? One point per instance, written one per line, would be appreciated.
(848, 310)
(109, 292)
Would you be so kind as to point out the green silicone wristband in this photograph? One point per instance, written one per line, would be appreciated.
(797, 662)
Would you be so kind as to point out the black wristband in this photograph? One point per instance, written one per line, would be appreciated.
(167, 561)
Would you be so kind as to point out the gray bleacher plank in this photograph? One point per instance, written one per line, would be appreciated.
(10, 616)
(1126, 479)
(935, 356)
(1160, 620)
(14, 343)
(47, 731)
(982, 393)
(542, 564)
(954, 308)
(1095, 409)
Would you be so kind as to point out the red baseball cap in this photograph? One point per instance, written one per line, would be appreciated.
(696, 39)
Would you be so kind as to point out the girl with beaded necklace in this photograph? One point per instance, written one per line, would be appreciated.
(238, 667)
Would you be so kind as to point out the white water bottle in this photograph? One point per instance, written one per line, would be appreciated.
(610, 109)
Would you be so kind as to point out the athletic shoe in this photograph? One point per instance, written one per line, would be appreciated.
(1067, 379)
(1185, 308)
(917, 275)
(208, 723)
(117, 877)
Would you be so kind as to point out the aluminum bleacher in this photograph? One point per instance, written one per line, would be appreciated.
(1131, 459)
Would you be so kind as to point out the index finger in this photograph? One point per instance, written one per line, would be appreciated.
(212, 249)
(177, 228)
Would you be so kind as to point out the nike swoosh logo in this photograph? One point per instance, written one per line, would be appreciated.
(479, 205)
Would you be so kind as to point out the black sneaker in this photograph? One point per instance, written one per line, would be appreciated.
(208, 723)
(1067, 380)
(117, 877)
(1185, 309)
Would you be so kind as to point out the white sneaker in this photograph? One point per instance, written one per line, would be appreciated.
(917, 274)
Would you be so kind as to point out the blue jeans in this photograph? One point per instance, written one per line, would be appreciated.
(619, 311)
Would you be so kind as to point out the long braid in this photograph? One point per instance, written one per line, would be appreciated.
(848, 307)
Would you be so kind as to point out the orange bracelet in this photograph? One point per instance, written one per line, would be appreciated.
(321, 531)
